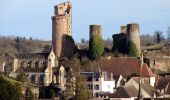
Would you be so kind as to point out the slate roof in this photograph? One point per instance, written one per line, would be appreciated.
(32, 56)
(87, 74)
(34, 70)
(132, 87)
(163, 84)
(120, 66)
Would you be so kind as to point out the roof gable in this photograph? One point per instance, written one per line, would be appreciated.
(146, 71)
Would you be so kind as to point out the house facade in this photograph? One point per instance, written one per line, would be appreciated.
(99, 83)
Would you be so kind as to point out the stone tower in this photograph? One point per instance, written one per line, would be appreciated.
(62, 41)
(133, 34)
(95, 30)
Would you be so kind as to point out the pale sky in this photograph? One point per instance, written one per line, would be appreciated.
(33, 17)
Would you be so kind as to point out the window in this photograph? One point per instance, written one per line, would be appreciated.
(44, 63)
(89, 86)
(96, 79)
(97, 94)
(154, 62)
(29, 64)
(36, 64)
(108, 86)
(33, 78)
(96, 87)
(89, 79)
(41, 79)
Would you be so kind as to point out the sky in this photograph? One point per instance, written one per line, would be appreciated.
(32, 18)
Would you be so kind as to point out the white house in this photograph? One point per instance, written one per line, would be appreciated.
(99, 83)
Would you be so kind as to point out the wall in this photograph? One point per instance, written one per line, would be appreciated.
(108, 86)
(160, 62)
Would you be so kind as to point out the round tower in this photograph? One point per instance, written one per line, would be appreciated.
(95, 30)
(133, 34)
(62, 29)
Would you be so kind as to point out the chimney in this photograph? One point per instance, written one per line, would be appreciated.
(111, 76)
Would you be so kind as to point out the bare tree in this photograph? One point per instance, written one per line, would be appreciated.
(158, 36)
(168, 34)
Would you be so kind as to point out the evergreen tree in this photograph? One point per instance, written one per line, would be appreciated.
(76, 87)
(81, 89)
(96, 47)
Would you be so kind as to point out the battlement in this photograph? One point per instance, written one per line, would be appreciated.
(63, 8)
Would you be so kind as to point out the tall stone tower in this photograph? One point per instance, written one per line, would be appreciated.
(95, 30)
(62, 30)
(96, 48)
(133, 34)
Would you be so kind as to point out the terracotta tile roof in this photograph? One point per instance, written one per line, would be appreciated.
(120, 66)
(146, 71)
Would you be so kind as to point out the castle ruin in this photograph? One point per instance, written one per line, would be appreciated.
(128, 34)
(133, 34)
(62, 41)
(95, 30)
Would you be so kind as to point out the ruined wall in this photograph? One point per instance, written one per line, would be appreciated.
(120, 43)
(161, 63)
(123, 29)
(62, 28)
(133, 34)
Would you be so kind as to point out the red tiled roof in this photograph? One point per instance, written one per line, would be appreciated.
(146, 71)
(121, 66)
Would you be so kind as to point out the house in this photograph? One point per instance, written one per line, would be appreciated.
(131, 90)
(126, 67)
(6, 62)
(163, 86)
(99, 83)
(37, 66)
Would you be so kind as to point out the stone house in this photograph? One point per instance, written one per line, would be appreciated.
(6, 62)
(37, 66)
